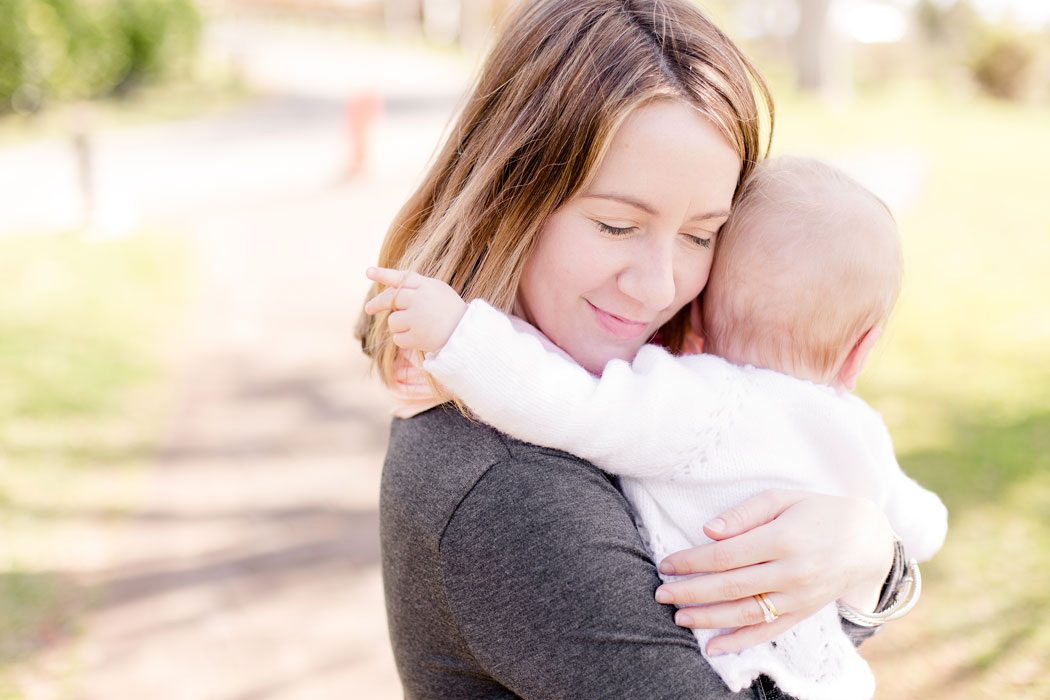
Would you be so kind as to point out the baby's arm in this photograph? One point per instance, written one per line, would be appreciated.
(917, 515)
(628, 421)
(631, 421)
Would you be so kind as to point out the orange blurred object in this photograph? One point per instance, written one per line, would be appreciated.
(363, 111)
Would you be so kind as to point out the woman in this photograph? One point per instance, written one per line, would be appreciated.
(595, 159)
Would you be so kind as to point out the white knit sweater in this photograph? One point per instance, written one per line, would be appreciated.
(690, 437)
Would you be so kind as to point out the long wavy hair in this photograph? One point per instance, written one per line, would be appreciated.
(560, 79)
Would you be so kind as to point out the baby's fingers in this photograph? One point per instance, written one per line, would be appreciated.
(384, 301)
(391, 299)
(399, 322)
(392, 278)
(407, 337)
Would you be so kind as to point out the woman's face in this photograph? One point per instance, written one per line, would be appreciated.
(621, 257)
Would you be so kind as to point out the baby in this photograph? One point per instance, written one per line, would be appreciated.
(804, 276)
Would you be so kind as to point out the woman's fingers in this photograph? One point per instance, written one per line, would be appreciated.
(720, 587)
(731, 614)
(740, 551)
(751, 635)
(759, 633)
(740, 539)
(755, 511)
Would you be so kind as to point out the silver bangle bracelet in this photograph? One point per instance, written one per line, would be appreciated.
(906, 598)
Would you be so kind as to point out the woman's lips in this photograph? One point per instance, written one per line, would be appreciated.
(619, 326)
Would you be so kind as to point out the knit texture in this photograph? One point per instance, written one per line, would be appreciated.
(690, 437)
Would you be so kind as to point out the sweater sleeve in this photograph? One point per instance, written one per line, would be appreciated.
(631, 421)
(917, 515)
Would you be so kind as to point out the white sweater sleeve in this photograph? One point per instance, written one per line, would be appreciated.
(917, 515)
(631, 421)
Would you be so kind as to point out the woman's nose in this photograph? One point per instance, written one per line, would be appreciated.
(649, 277)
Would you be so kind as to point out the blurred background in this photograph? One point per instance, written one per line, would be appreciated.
(190, 442)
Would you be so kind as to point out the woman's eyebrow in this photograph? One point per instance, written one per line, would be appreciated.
(622, 199)
(629, 201)
(720, 214)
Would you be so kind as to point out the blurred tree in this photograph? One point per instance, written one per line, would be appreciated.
(1001, 59)
(468, 22)
(813, 44)
(403, 17)
(949, 27)
(156, 36)
(12, 51)
(1003, 63)
(799, 32)
(69, 49)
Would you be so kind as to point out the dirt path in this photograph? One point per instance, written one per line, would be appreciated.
(250, 571)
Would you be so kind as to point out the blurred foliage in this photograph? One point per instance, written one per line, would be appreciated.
(949, 42)
(1002, 59)
(71, 322)
(36, 611)
(1004, 63)
(84, 327)
(68, 49)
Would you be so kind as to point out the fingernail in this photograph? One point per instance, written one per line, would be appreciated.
(717, 525)
(666, 568)
(663, 596)
(715, 652)
(682, 619)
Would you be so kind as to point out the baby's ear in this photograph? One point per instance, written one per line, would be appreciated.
(858, 355)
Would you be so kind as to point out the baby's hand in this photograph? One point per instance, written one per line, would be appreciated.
(423, 311)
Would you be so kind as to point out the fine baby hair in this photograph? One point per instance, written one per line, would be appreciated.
(808, 264)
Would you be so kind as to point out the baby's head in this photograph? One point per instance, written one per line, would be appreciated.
(805, 273)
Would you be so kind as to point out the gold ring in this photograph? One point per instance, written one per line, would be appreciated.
(769, 611)
(393, 302)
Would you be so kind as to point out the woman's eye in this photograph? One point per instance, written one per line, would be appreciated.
(614, 230)
(702, 242)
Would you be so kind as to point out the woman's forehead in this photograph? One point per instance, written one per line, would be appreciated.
(666, 156)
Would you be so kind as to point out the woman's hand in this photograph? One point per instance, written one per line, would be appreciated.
(803, 550)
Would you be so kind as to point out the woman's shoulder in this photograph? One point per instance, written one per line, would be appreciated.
(444, 434)
(441, 459)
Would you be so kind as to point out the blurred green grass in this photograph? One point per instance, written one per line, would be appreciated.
(963, 377)
(85, 346)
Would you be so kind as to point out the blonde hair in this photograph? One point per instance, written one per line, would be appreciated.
(808, 262)
(562, 76)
